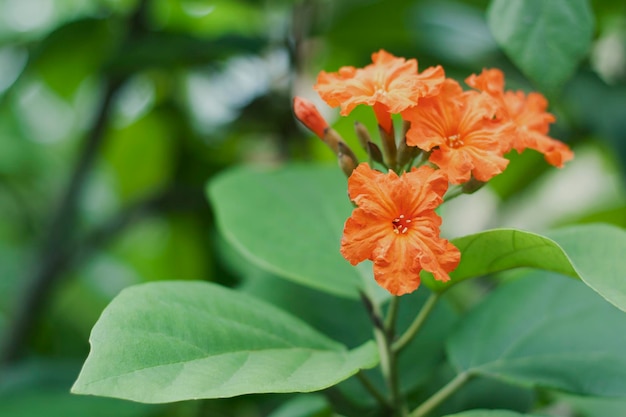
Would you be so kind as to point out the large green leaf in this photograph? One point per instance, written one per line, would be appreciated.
(174, 341)
(491, 413)
(60, 403)
(502, 249)
(302, 210)
(41, 388)
(546, 331)
(306, 405)
(545, 39)
(477, 394)
(598, 254)
(592, 252)
(416, 363)
(288, 221)
(585, 406)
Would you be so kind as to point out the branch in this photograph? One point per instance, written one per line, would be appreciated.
(54, 253)
(51, 258)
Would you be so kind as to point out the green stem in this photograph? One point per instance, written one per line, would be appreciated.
(369, 386)
(388, 364)
(441, 395)
(388, 367)
(419, 159)
(410, 333)
(453, 193)
(392, 314)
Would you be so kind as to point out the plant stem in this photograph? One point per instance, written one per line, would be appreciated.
(53, 255)
(453, 193)
(388, 364)
(441, 395)
(51, 260)
(392, 314)
(367, 384)
(388, 367)
(414, 328)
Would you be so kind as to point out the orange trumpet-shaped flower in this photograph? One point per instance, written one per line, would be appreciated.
(396, 227)
(459, 128)
(528, 113)
(308, 114)
(390, 85)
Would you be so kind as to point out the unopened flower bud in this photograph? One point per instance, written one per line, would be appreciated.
(363, 135)
(388, 141)
(374, 152)
(406, 153)
(332, 138)
(308, 114)
(346, 158)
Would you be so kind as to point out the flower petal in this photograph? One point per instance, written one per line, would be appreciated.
(428, 187)
(361, 235)
(394, 266)
(370, 190)
(389, 81)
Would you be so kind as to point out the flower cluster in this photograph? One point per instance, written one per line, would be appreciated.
(449, 136)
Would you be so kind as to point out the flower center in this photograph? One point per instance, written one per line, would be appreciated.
(454, 141)
(379, 93)
(401, 224)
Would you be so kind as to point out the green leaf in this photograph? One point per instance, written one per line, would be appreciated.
(417, 361)
(502, 249)
(41, 388)
(546, 331)
(597, 253)
(289, 222)
(174, 341)
(142, 155)
(483, 393)
(593, 406)
(304, 303)
(593, 253)
(491, 413)
(545, 39)
(309, 405)
(75, 51)
(60, 403)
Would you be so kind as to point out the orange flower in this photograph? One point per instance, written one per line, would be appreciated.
(396, 227)
(308, 114)
(389, 85)
(458, 127)
(528, 113)
(491, 81)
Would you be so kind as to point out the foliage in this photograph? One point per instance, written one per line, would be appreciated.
(158, 190)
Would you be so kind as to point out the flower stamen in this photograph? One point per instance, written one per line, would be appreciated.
(454, 141)
(400, 224)
(380, 93)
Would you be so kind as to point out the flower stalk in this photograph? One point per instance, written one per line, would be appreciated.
(417, 324)
(392, 314)
(441, 395)
(369, 386)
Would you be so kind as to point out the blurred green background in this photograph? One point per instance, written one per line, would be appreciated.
(115, 113)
